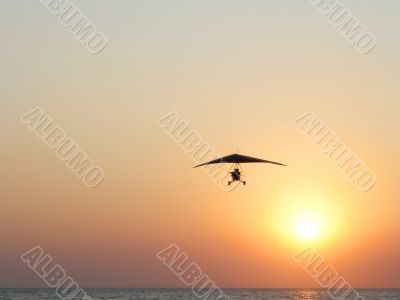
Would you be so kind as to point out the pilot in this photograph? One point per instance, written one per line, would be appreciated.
(236, 174)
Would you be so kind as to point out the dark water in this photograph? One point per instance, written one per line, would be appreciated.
(172, 294)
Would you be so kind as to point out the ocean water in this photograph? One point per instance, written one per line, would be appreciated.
(186, 294)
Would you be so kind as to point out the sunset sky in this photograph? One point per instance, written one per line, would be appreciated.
(240, 73)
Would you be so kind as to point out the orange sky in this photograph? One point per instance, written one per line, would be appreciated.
(239, 74)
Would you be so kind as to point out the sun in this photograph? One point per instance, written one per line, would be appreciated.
(307, 229)
(304, 219)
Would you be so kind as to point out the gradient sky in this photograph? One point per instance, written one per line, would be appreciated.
(239, 72)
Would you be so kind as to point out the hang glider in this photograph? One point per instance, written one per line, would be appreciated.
(236, 160)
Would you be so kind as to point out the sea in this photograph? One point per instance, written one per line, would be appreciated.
(186, 294)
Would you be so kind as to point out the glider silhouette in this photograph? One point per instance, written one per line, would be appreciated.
(236, 160)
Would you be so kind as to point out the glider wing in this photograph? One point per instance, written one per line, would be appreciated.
(238, 158)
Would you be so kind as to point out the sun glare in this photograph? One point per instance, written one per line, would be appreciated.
(304, 219)
(306, 229)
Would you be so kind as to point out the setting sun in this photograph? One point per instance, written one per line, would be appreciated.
(307, 229)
